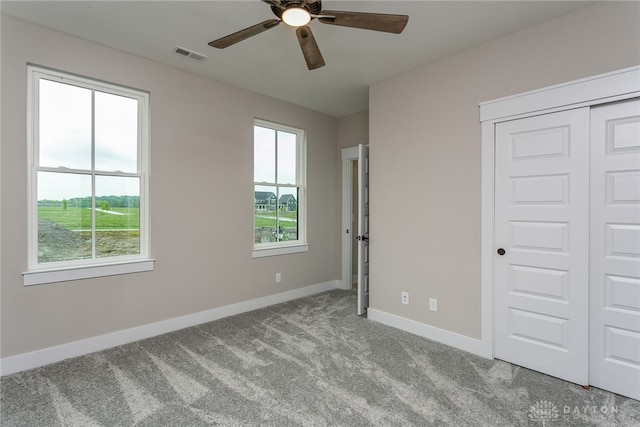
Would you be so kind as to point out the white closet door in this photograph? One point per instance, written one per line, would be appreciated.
(614, 359)
(541, 222)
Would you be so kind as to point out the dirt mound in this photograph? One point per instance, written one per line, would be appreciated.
(56, 243)
(56, 235)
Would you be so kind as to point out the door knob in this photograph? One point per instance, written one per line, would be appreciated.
(501, 251)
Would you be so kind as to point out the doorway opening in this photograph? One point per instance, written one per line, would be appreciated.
(349, 218)
(355, 223)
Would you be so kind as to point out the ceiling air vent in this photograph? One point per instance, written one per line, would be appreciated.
(189, 53)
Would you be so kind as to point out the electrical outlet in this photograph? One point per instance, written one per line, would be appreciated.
(278, 277)
(405, 298)
(433, 304)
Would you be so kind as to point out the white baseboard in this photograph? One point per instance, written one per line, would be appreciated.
(344, 286)
(443, 336)
(34, 359)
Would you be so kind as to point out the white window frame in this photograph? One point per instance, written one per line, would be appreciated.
(300, 245)
(40, 273)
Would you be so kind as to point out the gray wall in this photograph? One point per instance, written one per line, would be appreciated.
(201, 153)
(353, 130)
(425, 153)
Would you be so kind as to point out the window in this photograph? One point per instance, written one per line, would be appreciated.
(88, 192)
(278, 189)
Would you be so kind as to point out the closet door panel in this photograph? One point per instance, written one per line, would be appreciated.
(614, 329)
(541, 223)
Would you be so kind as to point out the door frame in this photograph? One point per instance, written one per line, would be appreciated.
(614, 86)
(348, 156)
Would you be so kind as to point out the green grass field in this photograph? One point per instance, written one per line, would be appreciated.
(265, 225)
(266, 222)
(287, 220)
(80, 218)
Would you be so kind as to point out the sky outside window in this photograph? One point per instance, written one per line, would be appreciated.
(65, 132)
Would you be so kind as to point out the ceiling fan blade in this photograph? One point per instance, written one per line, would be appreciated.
(310, 48)
(238, 36)
(275, 3)
(368, 21)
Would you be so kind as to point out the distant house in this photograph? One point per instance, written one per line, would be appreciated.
(288, 203)
(264, 201)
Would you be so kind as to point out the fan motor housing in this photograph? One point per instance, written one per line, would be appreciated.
(313, 8)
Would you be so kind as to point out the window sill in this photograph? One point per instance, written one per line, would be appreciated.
(280, 250)
(39, 277)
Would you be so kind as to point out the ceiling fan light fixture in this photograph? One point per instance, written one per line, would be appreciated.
(296, 16)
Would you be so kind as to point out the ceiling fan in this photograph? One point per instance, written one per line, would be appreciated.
(298, 13)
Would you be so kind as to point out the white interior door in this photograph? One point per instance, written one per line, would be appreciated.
(614, 357)
(363, 228)
(540, 282)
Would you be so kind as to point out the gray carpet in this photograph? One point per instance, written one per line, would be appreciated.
(311, 361)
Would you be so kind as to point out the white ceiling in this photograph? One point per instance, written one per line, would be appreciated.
(271, 63)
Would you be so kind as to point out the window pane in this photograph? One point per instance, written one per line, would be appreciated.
(116, 132)
(288, 214)
(286, 158)
(117, 216)
(64, 125)
(264, 154)
(265, 214)
(64, 216)
(277, 185)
